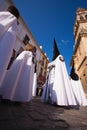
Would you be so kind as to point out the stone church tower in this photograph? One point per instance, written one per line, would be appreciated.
(79, 56)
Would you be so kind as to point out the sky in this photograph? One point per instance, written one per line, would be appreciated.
(47, 19)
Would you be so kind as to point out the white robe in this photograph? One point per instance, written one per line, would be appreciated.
(8, 28)
(59, 89)
(18, 83)
(47, 87)
(79, 92)
(34, 85)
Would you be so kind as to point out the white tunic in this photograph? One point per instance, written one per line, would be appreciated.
(78, 92)
(8, 28)
(34, 85)
(18, 82)
(59, 89)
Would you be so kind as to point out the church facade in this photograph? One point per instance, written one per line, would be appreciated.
(79, 56)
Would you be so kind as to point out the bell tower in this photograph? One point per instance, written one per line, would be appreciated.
(79, 56)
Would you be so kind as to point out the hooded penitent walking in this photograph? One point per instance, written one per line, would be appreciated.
(57, 88)
(18, 83)
(77, 88)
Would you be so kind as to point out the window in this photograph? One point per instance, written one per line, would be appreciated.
(43, 61)
(86, 17)
(81, 18)
(84, 74)
(26, 40)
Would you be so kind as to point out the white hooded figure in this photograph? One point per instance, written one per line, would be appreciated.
(35, 76)
(47, 87)
(18, 83)
(34, 85)
(8, 28)
(77, 88)
(57, 88)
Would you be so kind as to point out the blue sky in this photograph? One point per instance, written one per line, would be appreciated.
(47, 19)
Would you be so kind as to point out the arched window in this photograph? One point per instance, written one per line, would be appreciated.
(86, 17)
(81, 18)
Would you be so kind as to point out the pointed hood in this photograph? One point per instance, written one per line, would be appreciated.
(55, 50)
(73, 75)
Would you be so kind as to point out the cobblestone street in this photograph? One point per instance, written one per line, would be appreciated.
(41, 116)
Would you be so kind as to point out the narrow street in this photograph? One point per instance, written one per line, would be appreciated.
(36, 115)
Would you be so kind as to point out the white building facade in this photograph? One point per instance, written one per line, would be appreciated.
(24, 36)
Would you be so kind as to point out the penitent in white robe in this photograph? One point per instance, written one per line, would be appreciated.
(58, 89)
(78, 92)
(8, 28)
(18, 83)
(34, 85)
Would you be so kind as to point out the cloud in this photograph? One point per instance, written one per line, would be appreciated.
(65, 41)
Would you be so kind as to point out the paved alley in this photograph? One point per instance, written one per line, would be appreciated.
(36, 115)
